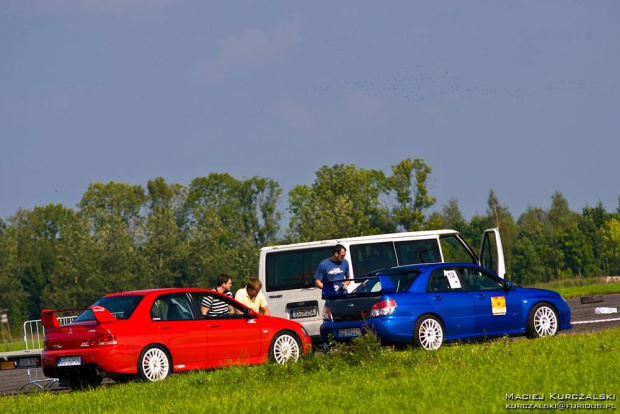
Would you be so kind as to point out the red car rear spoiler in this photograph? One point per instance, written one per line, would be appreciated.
(50, 320)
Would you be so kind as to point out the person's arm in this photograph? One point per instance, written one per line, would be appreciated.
(231, 308)
(204, 310)
(318, 277)
(263, 308)
(239, 298)
(346, 275)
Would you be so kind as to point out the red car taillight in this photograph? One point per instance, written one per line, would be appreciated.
(103, 338)
(383, 308)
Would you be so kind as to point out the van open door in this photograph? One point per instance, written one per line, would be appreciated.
(492, 253)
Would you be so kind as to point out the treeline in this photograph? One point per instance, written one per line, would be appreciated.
(123, 237)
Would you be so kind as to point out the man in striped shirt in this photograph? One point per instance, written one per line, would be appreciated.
(212, 306)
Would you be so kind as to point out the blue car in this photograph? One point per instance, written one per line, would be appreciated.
(428, 304)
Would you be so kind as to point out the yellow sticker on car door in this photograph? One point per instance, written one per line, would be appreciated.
(498, 303)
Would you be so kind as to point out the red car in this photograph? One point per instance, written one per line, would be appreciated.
(151, 333)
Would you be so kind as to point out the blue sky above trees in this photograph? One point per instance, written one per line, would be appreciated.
(519, 97)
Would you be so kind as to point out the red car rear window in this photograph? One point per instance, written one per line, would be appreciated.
(120, 306)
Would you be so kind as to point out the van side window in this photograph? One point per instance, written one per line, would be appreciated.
(371, 256)
(418, 251)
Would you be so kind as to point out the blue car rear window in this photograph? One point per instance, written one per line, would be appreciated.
(402, 281)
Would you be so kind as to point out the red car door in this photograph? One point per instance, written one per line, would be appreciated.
(183, 332)
(233, 339)
(232, 336)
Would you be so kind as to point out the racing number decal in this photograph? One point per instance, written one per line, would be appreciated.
(453, 279)
(498, 303)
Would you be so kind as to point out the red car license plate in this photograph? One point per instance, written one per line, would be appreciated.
(69, 361)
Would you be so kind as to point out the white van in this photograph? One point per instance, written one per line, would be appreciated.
(287, 271)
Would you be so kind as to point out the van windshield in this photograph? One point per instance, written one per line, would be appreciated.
(455, 251)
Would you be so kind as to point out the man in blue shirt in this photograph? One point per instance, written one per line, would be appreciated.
(333, 268)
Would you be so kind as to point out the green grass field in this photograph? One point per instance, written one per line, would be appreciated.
(363, 377)
(12, 346)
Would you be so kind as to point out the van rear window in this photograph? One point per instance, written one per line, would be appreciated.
(294, 269)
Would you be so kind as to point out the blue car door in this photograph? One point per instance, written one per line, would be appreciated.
(448, 297)
(498, 311)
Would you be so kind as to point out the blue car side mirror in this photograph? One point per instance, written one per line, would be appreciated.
(508, 285)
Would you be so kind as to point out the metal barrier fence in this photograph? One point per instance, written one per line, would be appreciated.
(34, 332)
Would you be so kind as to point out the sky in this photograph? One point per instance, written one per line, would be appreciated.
(521, 97)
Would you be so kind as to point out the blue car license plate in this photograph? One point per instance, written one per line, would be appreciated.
(349, 332)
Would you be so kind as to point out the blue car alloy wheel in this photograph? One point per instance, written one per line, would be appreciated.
(428, 333)
(542, 321)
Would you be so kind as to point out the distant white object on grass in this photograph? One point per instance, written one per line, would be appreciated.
(605, 311)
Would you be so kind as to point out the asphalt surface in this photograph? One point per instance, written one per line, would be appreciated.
(584, 319)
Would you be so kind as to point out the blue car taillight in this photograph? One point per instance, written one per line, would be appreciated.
(327, 314)
(383, 308)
